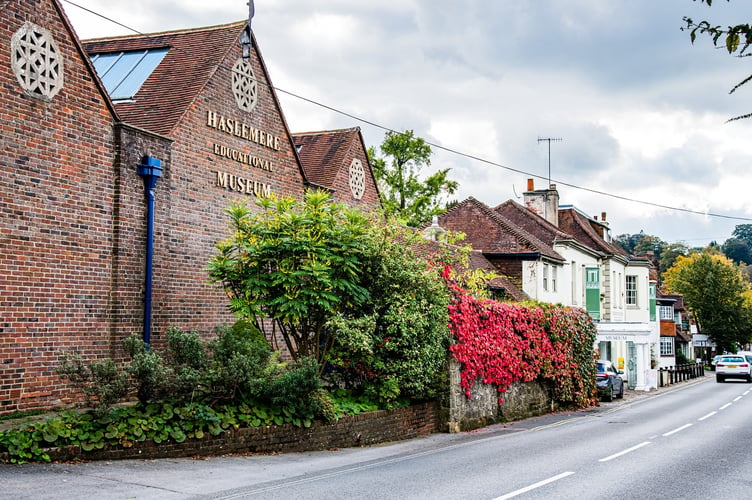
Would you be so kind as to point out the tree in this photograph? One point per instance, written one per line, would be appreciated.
(295, 265)
(650, 243)
(403, 194)
(714, 291)
(736, 39)
(642, 244)
(629, 241)
(344, 287)
(670, 253)
(737, 250)
(743, 232)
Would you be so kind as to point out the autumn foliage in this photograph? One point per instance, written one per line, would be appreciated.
(500, 343)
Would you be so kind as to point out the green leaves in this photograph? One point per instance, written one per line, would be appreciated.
(129, 425)
(404, 194)
(714, 291)
(736, 40)
(297, 264)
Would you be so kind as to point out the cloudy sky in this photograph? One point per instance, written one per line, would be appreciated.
(641, 111)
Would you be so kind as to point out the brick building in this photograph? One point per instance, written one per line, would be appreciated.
(77, 121)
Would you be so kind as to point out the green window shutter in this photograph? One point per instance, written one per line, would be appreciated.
(652, 301)
(593, 292)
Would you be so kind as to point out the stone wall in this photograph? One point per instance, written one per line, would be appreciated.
(521, 400)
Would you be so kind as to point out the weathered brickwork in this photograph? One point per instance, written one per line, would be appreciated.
(365, 429)
(511, 268)
(57, 203)
(192, 206)
(341, 185)
(129, 230)
(73, 207)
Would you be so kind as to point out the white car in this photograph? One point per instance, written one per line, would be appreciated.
(733, 366)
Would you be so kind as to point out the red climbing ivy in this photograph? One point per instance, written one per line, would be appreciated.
(499, 343)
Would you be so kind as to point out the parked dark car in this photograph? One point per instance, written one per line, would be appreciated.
(608, 381)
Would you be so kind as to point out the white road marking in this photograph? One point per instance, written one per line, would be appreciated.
(678, 429)
(725, 406)
(534, 486)
(628, 450)
(736, 399)
(707, 416)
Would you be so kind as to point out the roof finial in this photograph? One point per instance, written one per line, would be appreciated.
(251, 11)
(245, 37)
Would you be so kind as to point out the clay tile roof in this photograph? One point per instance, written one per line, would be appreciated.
(492, 233)
(531, 222)
(679, 304)
(682, 336)
(578, 225)
(323, 154)
(193, 57)
(478, 261)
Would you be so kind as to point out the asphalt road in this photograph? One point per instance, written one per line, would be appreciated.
(690, 441)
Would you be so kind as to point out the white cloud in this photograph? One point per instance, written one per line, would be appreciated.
(640, 109)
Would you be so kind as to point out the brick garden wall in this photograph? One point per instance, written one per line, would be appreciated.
(360, 430)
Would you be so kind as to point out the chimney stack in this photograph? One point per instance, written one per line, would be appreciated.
(544, 202)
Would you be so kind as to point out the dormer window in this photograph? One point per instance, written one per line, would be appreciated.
(123, 73)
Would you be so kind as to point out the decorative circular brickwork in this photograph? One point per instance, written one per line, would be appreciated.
(244, 85)
(36, 61)
(357, 179)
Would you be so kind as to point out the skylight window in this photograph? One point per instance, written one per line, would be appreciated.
(123, 73)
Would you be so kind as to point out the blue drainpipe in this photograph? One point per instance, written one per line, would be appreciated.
(150, 169)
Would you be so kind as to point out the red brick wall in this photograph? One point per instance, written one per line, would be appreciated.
(360, 430)
(129, 229)
(191, 206)
(73, 213)
(341, 185)
(511, 268)
(56, 207)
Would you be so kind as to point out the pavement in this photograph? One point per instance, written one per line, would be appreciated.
(631, 394)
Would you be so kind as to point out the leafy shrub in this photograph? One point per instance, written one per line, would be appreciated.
(347, 403)
(295, 388)
(394, 347)
(294, 263)
(126, 426)
(243, 362)
(100, 381)
(148, 370)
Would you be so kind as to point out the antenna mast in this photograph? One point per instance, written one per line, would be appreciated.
(548, 140)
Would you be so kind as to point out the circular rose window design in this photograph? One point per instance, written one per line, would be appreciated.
(244, 85)
(357, 179)
(36, 61)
